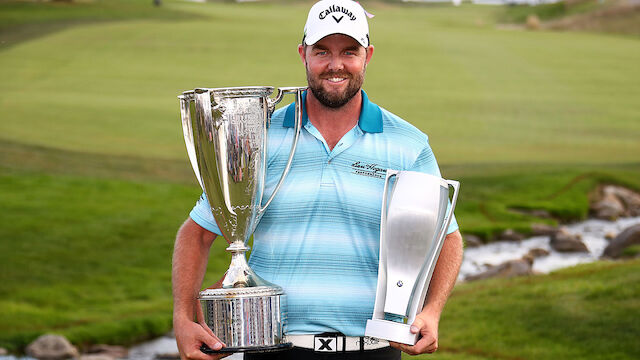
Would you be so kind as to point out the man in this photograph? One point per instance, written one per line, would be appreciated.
(319, 239)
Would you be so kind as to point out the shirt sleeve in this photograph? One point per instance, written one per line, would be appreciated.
(426, 163)
(201, 214)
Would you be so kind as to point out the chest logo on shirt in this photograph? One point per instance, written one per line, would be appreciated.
(371, 170)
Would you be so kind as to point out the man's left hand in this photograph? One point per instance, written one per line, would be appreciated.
(427, 326)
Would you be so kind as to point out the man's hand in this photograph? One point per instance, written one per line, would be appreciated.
(444, 277)
(427, 326)
(191, 335)
(190, 257)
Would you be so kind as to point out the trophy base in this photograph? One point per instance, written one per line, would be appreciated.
(249, 349)
(246, 319)
(390, 330)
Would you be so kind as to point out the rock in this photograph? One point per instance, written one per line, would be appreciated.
(511, 235)
(537, 252)
(472, 240)
(610, 235)
(630, 199)
(533, 22)
(629, 237)
(543, 230)
(113, 351)
(3, 352)
(507, 269)
(612, 201)
(96, 357)
(608, 208)
(564, 241)
(52, 347)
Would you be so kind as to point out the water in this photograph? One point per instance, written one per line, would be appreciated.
(593, 232)
(149, 349)
(163, 345)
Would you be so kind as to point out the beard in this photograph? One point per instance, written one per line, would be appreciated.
(335, 100)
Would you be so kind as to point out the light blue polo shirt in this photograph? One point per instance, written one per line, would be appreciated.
(319, 238)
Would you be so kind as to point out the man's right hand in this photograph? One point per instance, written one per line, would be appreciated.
(189, 264)
(191, 335)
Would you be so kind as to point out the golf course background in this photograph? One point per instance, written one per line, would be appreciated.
(94, 178)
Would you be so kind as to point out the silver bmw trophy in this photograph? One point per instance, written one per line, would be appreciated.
(225, 131)
(413, 226)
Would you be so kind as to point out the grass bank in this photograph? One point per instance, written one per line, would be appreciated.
(86, 240)
(620, 17)
(85, 257)
(89, 258)
(494, 198)
(586, 312)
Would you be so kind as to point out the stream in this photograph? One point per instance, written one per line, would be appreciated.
(593, 232)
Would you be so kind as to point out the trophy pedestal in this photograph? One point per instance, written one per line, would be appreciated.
(245, 319)
(390, 330)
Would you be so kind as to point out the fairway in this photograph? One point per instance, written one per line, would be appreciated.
(482, 94)
(95, 180)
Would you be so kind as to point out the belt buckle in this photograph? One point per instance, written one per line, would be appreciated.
(323, 343)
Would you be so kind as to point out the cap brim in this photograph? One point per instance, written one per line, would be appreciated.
(310, 40)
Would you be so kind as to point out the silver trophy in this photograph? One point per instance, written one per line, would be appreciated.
(413, 226)
(225, 130)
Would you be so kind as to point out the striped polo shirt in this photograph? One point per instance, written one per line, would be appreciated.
(319, 238)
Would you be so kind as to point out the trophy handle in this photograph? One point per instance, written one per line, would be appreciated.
(280, 94)
(456, 189)
(185, 114)
(298, 125)
(433, 259)
(378, 308)
(385, 199)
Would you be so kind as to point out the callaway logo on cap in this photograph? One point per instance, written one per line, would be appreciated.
(328, 17)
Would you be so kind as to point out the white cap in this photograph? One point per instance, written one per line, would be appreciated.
(328, 17)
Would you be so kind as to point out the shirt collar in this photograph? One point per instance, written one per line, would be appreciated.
(370, 115)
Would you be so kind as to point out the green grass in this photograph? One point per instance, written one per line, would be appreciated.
(631, 251)
(94, 179)
(489, 200)
(586, 312)
(25, 20)
(597, 16)
(491, 194)
(550, 11)
(483, 95)
(89, 258)
(84, 254)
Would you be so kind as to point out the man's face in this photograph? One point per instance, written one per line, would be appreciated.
(335, 68)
